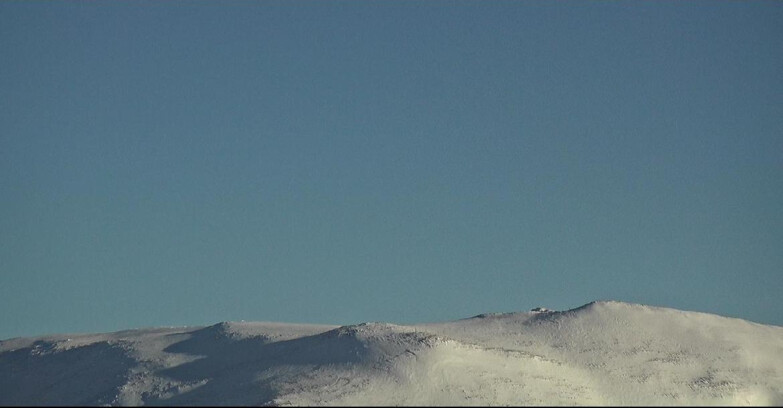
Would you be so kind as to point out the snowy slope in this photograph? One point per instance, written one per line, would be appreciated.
(601, 353)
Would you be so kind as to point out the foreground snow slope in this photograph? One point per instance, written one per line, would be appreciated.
(601, 353)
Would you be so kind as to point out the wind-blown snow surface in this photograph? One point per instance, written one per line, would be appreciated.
(601, 353)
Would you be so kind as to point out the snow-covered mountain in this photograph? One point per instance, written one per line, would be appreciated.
(603, 353)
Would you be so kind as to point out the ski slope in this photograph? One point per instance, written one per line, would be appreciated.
(603, 353)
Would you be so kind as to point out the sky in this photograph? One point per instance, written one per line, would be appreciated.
(185, 163)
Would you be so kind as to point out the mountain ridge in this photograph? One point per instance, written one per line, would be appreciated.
(601, 353)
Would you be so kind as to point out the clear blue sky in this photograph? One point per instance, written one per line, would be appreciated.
(184, 163)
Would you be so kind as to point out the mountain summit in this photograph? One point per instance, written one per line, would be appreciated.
(603, 353)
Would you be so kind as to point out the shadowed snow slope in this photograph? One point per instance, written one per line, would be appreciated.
(603, 353)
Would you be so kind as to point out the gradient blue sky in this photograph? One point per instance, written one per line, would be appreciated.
(184, 163)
